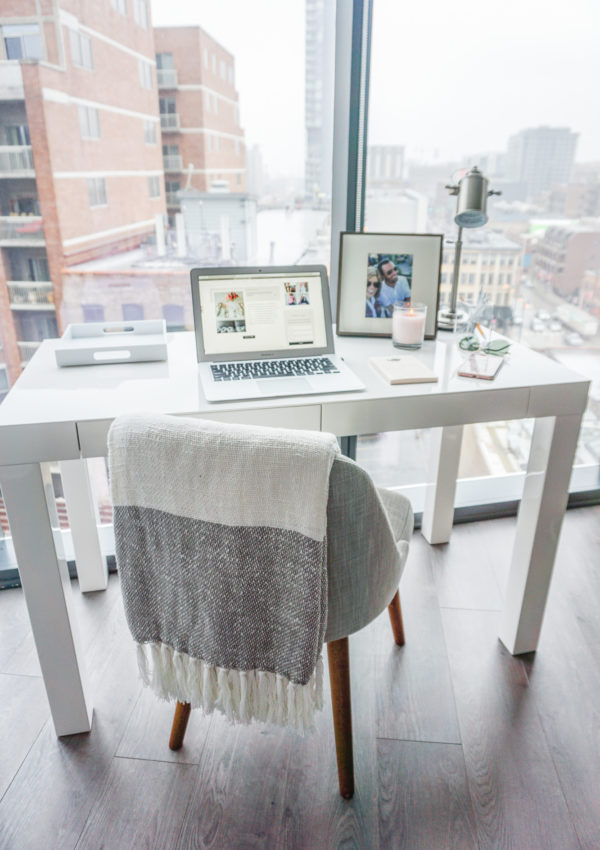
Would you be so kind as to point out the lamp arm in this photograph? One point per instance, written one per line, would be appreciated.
(455, 275)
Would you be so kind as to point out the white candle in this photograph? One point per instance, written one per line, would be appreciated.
(408, 325)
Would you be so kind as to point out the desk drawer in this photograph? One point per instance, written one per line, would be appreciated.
(35, 443)
(92, 435)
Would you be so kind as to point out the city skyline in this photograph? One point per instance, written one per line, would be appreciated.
(527, 74)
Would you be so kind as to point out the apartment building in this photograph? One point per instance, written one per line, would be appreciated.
(202, 141)
(566, 253)
(490, 263)
(80, 160)
(540, 158)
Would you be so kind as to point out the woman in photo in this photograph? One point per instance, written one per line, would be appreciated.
(374, 308)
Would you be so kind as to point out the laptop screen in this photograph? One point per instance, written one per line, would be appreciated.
(256, 312)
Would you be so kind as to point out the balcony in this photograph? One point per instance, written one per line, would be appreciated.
(169, 122)
(28, 349)
(167, 78)
(173, 199)
(172, 162)
(16, 161)
(30, 295)
(21, 231)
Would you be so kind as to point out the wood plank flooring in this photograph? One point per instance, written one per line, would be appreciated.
(457, 744)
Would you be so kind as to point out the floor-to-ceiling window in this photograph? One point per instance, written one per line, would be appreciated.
(510, 89)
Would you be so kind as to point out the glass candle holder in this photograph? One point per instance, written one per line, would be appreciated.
(408, 325)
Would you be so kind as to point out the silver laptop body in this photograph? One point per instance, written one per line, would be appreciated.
(265, 332)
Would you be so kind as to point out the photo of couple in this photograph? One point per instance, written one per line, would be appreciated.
(389, 279)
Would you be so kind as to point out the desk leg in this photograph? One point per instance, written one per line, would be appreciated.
(29, 499)
(540, 517)
(438, 513)
(92, 570)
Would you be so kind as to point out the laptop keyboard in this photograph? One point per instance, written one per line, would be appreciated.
(288, 368)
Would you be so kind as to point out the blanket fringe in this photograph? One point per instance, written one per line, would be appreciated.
(241, 695)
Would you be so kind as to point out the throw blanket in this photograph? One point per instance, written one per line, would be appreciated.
(221, 547)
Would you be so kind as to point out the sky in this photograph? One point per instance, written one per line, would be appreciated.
(447, 79)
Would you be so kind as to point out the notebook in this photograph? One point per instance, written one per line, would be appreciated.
(402, 369)
(264, 332)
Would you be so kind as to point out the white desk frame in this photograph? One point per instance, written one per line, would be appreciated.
(64, 415)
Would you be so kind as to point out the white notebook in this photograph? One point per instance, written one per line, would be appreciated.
(402, 369)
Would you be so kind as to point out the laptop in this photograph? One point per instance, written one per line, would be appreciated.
(264, 332)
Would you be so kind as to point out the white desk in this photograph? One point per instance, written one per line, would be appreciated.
(64, 415)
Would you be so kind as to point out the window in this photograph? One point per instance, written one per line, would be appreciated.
(132, 312)
(93, 312)
(17, 134)
(167, 105)
(174, 316)
(164, 61)
(206, 57)
(22, 41)
(81, 50)
(140, 13)
(97, 191)
(89, 122)
(230, 75)
(223, 70)
(38, 269)
(150, 132)
(154, 186)
(145, 69)
(214, 63)
(119, 6)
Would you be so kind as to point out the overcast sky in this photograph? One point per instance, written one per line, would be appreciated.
(448, 79)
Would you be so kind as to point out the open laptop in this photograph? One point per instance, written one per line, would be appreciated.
(264, 332)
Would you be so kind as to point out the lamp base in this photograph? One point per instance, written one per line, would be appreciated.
(448, 320)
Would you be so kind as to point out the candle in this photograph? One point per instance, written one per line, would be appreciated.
(408, 325)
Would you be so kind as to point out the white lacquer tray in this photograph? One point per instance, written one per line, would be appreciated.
(96, 343)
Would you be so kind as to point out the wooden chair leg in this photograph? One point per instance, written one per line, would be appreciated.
(339, 675)
(180, 721)
(395, 612)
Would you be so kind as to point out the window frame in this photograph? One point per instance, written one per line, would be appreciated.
(97, 192)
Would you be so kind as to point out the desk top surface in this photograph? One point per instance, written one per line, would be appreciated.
(45, 393)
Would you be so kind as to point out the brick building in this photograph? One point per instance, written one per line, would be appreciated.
(203, 143)
(80, 160)
(566, 254)
(490, 263)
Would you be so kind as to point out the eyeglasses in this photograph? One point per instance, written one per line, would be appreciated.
(499, 347)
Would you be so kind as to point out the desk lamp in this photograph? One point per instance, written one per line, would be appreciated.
(472, 194)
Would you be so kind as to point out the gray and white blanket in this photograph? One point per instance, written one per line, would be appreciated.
(221, 547)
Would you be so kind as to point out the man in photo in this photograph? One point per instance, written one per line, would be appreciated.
(395, 288)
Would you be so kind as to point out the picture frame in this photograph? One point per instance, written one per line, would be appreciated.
(403, 264)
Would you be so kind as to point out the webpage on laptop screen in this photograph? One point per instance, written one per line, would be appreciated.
(276, 312)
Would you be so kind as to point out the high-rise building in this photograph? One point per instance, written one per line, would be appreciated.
(80, 162)
(385, 165)
(318, 97)
(202, 140)
(540, 158)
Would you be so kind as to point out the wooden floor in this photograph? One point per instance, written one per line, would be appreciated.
(457, 744)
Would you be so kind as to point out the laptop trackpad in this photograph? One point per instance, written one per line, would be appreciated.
(283, 386)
